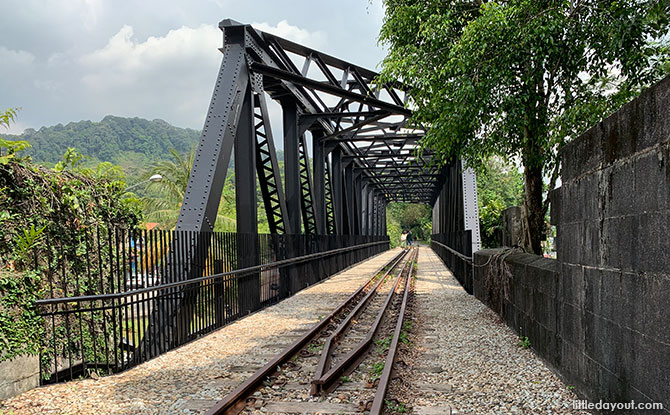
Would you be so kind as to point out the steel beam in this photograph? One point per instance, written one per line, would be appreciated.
(203, 191)
(245, 201)
(291, 163)
(319, 161)
(267, 167)
(336, 174)
(349, 195)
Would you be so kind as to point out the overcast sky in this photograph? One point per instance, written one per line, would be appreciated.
(72, 60)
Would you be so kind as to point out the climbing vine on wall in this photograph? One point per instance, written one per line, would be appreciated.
(45, 217)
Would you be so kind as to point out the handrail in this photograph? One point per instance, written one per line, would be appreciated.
(453, 251)
(238, 273)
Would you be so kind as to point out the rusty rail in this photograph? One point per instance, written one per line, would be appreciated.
(349, 362)
(233, 401)
(385, 379)
(324, 361)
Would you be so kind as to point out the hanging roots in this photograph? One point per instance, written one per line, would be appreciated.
(497, 280)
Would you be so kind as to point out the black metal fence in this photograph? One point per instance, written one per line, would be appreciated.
(121, 297)
(455, 250)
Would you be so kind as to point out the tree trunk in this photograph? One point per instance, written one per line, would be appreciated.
(533, 209)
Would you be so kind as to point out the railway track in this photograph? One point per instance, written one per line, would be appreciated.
(343, 364)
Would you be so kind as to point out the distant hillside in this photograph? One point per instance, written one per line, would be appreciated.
(130, 142)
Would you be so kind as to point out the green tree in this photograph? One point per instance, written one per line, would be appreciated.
(408, 216)
(499, 186)
(518, 78)
(165, 197)
(10, 147)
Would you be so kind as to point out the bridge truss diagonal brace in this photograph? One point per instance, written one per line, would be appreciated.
(202, 195)
(267, 167)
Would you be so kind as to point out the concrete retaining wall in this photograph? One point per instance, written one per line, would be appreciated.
(601, 312)
(18, 375)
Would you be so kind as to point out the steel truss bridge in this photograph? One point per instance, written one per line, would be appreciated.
(157, 290)
(363, 156)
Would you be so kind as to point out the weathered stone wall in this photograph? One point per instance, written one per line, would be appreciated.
(601, 312)
(18, 375)
(511, 227)
(612, 215)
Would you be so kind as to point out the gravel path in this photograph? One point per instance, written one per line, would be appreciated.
(466, 360)
(192, 378)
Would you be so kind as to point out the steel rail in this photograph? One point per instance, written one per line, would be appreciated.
(233, 398)
(350, 359)
(385, 379)
(324, 360)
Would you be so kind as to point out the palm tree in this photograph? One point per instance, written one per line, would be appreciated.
(165, 197)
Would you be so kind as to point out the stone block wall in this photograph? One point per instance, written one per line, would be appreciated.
(600, 313)
(612, 215)
(18, 375)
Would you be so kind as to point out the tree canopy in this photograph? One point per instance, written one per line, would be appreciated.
(518, 78)
(131, 141)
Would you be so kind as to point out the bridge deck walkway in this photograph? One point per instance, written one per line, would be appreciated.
(460, 357)
(192, 378)
(465, 360)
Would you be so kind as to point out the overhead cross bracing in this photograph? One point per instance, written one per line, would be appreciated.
(368, 121)
(363, 152)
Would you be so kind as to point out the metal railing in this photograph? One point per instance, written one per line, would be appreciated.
(122, 297)
(455, 250)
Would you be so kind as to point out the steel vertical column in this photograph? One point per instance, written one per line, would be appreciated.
(436, 216)
(375, 210)
(364, 207)
(349, 190)
(384, 230)
(379, 214)
(371, 210)
(247, 204)
(291, 163)
(358, 188)
(319, 163)
(470, 205)
(336, 183)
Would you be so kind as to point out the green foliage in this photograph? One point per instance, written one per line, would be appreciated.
(415, 217)
(164, 199)
(27, 242)
(524, 342)
(383, 344)
(499, 186)
(130, 142)
(519, 78)
(46, 218)
(20, 324)
(395, 407)
(315, 347)
(6, 118)
(376, 370)
(71, 160)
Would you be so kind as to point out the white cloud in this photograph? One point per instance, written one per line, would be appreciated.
(124, 61)
(315, 40)
(15, 57)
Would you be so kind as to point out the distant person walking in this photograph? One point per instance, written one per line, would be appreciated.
(409, 238)
(403, 239)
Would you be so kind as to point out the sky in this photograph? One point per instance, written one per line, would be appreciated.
(72, 60)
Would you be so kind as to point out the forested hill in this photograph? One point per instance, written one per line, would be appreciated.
(119, 140)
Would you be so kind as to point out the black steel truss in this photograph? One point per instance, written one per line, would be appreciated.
(364, 154)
